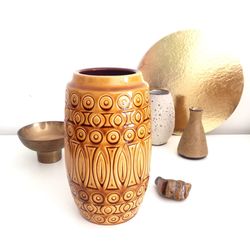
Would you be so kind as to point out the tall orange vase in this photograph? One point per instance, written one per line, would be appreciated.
(107, 142)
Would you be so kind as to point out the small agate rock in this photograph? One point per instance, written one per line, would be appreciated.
(172, 189)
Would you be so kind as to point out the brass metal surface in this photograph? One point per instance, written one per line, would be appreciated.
(46, 138)
(199, 70)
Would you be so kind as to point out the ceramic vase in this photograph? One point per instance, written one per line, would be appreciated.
(107, 142)
(193, 142)
(163, 116)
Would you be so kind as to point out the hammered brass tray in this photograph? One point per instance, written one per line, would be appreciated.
(199, 69)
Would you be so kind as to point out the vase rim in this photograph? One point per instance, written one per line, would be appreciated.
(159, 92)
(196, 109)
(107, 72)
(107, 78)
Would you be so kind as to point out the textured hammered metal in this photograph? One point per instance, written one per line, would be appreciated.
(198, 71)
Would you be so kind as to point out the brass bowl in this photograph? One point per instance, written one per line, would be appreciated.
(46, 138)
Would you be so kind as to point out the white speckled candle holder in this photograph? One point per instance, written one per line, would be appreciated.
(163, 116)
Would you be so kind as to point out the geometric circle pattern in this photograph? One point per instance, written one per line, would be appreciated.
(111, 207)
(138, 99)
(107, 152)
(95, 137)
(106, 102)
(88, 102)
(113, 136)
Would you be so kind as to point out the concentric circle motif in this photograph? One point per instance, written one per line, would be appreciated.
(90, 208)
(97, 198)
(113, 136)
(113, 219)
(140, 191)
(123, 102)
(106, 102)
(81, 134)
(96, 136)
(127, 215)
(129, 135)
(78, 118)
(74, 99)
(141, 132)
(96, 120)
(88, 102)
(126, 207)
(113, 198)
(108, 209)
(137, 117)
(128, 195)
(98, 219)
(83, 195)
(70, 130)
(138, 99)
(118, 120)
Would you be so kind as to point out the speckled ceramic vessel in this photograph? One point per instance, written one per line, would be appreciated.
(163, 116)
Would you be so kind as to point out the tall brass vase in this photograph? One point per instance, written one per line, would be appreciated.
(193, 142)
(107, 142)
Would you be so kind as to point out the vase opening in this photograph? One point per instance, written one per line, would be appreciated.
(159, 92)
(196, 109)
(107, 72)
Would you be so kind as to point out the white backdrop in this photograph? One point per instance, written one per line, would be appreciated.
(43, 42)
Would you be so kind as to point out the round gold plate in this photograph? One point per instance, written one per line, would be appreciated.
(199, 70)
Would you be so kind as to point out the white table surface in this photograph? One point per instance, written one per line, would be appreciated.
(38, 212)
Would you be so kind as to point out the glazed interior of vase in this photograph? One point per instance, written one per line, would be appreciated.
(107, 72)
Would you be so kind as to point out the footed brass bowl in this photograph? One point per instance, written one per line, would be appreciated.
(46, 138)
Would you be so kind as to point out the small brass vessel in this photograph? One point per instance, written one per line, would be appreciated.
(46, 138)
